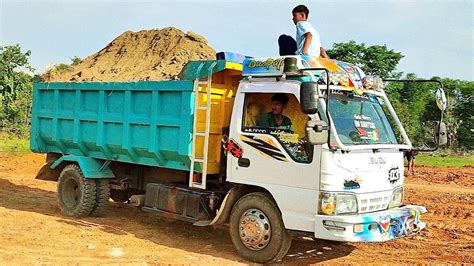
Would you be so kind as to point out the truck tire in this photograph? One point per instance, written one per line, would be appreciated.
(76, 194)
(102, 197)
(257, 230)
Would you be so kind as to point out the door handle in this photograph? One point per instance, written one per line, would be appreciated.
(244, 162)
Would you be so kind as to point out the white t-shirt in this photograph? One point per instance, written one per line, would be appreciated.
(302, 28)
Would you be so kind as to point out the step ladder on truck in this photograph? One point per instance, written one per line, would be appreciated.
(207, 86)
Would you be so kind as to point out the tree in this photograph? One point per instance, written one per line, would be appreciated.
(15, 89)
(463, 111)
(374, 60)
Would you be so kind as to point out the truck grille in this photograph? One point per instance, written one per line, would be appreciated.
(371, 202)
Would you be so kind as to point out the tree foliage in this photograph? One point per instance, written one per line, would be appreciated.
(375, 60)
(15, 89)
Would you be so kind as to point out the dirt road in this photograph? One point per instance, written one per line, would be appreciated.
(32, 229)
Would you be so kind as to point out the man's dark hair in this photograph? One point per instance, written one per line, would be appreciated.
(280, 97)
(301, 9)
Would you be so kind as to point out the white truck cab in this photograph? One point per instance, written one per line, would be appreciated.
(337, 172)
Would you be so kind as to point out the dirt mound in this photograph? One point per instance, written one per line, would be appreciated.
(143, 55)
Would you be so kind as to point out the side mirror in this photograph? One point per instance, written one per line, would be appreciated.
(441, 134)
(317, 132)
(441, 99)
(309, 97)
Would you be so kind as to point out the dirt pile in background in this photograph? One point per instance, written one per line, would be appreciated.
(143, 55)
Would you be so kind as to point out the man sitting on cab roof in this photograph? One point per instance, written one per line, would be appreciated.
(275, 118)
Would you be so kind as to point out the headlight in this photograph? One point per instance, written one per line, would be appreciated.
(334, 203)
(397, 198)
(346, 203)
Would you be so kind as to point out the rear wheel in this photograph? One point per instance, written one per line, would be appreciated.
(76, 194)
(79, 196)
(102, 197)
(257, 230)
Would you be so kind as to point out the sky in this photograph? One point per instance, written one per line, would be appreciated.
(436, 37)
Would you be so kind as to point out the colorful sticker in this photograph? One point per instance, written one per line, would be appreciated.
(400, 226)
(293, 144)
(354, 76)
(263, 67)
(265, 146)
(366, 128)
(232, 147)
(352, 184)
(285, 137)
(384, 225)
(393, 175)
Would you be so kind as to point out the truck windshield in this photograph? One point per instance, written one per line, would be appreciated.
(361, 119)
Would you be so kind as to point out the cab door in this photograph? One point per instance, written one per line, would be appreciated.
(278, 160)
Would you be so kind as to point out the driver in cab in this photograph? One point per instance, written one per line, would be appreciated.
(275, 118)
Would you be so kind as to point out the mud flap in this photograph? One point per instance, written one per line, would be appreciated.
(223, 212)
(48, 174)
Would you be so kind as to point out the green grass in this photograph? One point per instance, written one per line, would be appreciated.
(14, 145)
(446, 161)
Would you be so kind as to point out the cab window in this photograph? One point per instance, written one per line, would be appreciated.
(278, 115)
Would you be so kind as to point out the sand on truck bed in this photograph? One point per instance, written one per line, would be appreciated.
(143, 55)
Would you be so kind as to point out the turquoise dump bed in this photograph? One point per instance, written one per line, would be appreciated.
(146, 122)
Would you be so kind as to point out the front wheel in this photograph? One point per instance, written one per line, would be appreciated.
(257, 230)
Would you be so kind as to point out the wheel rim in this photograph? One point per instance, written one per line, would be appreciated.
(254, 229)
(72, 193)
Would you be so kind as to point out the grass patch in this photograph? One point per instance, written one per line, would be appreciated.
(12, 144)
(445, 161)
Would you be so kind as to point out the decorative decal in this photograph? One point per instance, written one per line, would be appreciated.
(269, 63)
(265, 146)
(232, 147)
(292, 144)
(416, 221)
(384, 225)
(256, 130)
(366, 128)
(285, 137)
(393, 175)
(400, 226)
(352, 184)
(354, 75)
(263, 67)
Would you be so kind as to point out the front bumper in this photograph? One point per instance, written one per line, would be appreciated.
(371, 227)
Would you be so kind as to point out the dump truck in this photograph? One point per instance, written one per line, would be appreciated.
(275, 147)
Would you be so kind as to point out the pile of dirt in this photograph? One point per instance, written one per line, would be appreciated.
(143, 55)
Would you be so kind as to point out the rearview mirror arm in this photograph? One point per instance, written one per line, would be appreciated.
(327, 101)
(423, 81)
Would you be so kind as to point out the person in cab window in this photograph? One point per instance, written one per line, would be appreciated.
(275, 118)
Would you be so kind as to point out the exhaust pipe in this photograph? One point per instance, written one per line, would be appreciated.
(137, 200)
